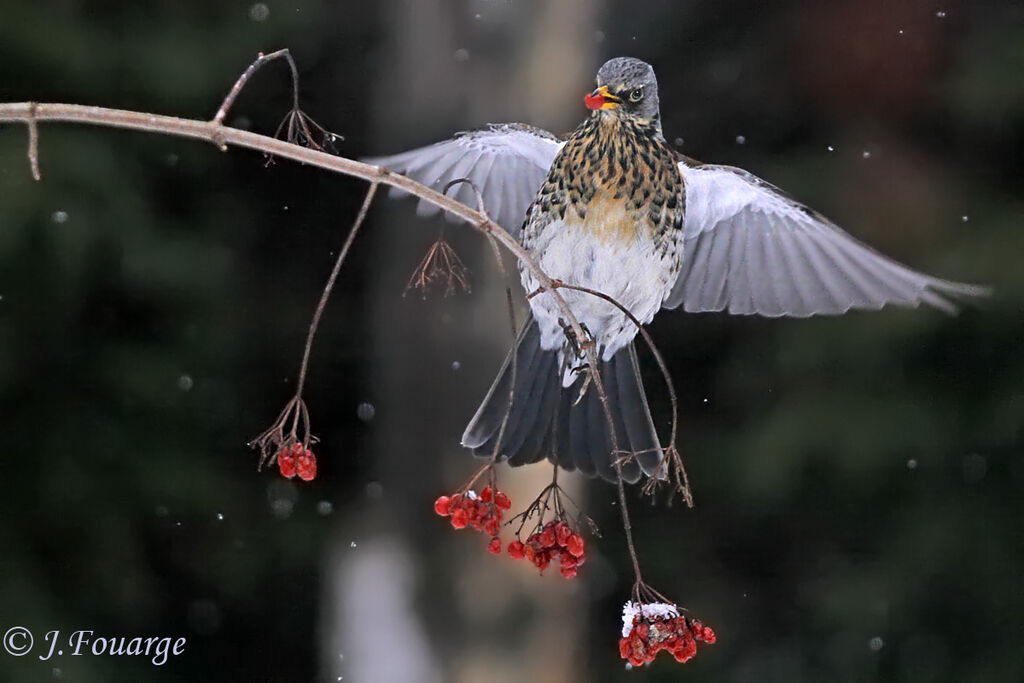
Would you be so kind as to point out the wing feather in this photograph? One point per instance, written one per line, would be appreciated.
(772, 290)
(506, 162)
(749, 249)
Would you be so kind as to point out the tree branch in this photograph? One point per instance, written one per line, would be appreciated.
(214, 132)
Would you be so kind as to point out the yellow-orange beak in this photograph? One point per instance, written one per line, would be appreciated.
(601, 99)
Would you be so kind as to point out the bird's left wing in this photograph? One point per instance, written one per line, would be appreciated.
(751, 250)
(507, 163)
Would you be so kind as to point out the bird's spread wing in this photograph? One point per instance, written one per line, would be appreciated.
(506, 162)
(750, 250)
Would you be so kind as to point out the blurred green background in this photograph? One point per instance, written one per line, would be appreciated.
(859, 480)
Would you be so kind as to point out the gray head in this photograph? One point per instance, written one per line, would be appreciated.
(627, 85)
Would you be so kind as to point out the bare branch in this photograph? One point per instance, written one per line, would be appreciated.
(222, 136)
(262, 59)
(33, 142)
(330, 284)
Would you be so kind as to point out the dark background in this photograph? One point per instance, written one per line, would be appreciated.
(858, 479)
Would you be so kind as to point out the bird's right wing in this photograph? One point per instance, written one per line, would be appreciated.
(507, 163)
(749, 249)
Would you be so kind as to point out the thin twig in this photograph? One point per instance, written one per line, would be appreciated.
(550, 500)
(511, 312)
(443, 264)
(33, 142)
(262, 59)
(512, 382)
(330, 284)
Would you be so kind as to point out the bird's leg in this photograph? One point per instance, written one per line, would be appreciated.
(576, 345)
(570, 336)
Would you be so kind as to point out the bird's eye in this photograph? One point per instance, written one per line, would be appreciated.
(636, 95)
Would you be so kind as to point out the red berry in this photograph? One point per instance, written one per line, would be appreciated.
(547, 538)
(495, 545)
(486, 494)
(297, 449)
(286, 463)
(287, 467)
(502, 501)
(459, 518)
(568, 572)
(442, 505)
(686, 651)
(515, 549)
(491, 526)
(305, 465)
(575, 545)
(562, 533)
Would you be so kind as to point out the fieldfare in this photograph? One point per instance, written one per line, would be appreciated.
(615, 209)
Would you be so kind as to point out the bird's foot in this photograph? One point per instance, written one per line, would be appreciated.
(577, 345)
(585, 368)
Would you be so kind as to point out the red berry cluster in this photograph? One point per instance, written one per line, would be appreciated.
(652, 631)
(555, 540)
(296, 459)
(483, 512)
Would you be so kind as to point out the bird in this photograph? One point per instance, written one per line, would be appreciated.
(614, 208)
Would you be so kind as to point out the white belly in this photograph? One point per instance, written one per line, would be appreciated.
(631, 272)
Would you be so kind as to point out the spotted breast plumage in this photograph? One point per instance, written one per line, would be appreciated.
(614, 209)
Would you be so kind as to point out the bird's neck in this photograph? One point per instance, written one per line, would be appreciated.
(614, 119)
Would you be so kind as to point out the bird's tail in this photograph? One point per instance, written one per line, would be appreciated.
(546, 420)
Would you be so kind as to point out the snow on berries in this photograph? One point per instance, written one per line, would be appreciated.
(296, 460)
(649, 628)
(483, 512)
(554, 541)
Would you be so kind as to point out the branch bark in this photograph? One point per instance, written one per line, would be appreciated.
(30, 113)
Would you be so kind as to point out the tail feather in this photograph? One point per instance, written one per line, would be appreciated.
(544, 420)
(579, 445)
(621, 399)
(535, 418)
(636, 414)
(536, 444)
(487, 421)
(599, 446)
